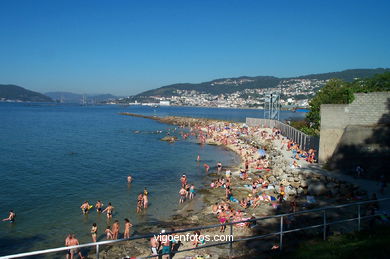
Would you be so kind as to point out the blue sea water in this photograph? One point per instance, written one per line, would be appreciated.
(53, 157)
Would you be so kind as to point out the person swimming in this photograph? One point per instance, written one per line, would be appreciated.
(11, 217)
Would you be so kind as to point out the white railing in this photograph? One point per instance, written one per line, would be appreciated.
(305, 141)
(280, 233)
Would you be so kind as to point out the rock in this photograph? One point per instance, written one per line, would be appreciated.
(284, 182)
(278, 171)
(303, 183)
(291, 191)
(291, 179)
(271, 179)
(169, 138)
(295, 184)
(283, 177)
(333, 188)
(300, 191)
(317, 188)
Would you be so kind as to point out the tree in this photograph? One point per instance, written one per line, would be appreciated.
(335, 91)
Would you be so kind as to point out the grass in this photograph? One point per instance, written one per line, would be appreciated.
(365, 244)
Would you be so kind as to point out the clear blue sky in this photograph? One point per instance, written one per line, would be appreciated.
(125, 47)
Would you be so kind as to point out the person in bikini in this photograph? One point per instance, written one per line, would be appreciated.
(128, 226)
(219, 167)
(183, 194)
(108, 232)
(84, 207)
(154, 244)
(145, 198)
(109, 210)
(183, 180)
(94, 230)
(99, 206)
(222, 219)
(11, 217)
(140, 202)
(115, 229)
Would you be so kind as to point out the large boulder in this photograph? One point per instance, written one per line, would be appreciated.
(169, 138)
(295, 184)
(300, 191)
(291, 191)
(303, 183)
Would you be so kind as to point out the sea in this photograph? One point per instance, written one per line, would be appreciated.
(55, 156)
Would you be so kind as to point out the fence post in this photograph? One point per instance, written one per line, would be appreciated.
(324, 224)
(231, 242)
(97, 251)
(170, 250)
(281, 234)
(359, 217)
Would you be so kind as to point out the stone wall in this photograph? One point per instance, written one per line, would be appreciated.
(348, 130)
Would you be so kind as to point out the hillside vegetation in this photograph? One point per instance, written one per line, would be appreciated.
(17, 93)
(230, 85)
(337, 91)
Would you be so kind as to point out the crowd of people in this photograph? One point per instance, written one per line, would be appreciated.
(241, 139)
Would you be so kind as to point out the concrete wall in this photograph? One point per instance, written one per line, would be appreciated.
(368, 110)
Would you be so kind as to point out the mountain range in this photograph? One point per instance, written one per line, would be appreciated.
(231, 85)
(67, 97)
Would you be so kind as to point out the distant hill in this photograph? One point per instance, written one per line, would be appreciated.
(67, 97)
(347, 75)
(230, 85)
(17, 93)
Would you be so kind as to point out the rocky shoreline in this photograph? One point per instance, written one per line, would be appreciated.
(299, 184)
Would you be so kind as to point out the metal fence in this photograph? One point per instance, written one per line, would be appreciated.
(323, 225)
(305, 141)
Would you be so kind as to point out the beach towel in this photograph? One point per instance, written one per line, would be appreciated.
(233, 199)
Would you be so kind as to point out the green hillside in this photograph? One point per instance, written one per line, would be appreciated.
(217, 86)
(17, 93)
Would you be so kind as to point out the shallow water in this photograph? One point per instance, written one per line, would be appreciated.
(53, 157)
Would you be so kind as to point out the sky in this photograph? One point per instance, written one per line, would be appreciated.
(126, 47)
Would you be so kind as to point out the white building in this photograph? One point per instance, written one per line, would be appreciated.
(165, 103)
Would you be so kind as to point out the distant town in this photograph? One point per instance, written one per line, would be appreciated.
(292, 93)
